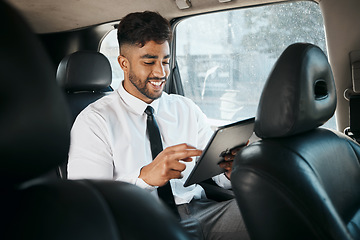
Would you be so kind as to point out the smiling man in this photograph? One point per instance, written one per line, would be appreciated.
(112, 138)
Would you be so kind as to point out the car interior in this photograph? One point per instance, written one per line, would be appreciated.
(293, 65)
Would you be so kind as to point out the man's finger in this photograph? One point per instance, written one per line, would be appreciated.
(180, 147)
(235, 150)
(189, 159)
(227, 165)
(177, 166)
(229, 157)
(175, 174)
(184, 154)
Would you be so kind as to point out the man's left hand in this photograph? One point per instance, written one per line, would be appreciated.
(228, 161)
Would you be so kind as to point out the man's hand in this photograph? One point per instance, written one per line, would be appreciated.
(228, 161)
(167, 164)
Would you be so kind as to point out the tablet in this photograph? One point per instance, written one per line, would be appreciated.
(223, 140)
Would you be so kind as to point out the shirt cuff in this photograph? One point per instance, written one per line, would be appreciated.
(142, 184)
(222, 181)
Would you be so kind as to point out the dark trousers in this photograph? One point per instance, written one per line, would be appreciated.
(208, 219)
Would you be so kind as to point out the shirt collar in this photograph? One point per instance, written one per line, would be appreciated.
(138, 106)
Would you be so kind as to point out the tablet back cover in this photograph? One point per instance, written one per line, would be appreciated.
(223, 141)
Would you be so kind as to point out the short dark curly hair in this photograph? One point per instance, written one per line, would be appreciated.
(140, 27)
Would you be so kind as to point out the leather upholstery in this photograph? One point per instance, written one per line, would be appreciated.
(90, 210)
(299, 94)
(85, 76)
(299, 181)
(35, 132)
(31, 127)
(84, 71)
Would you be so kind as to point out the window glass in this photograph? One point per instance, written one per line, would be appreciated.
(225, 58)
(110, 48)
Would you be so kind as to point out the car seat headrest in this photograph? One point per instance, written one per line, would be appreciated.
(84, 71)
(299, 94)
(34, 122)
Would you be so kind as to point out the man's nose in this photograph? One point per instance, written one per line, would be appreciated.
(159, 70)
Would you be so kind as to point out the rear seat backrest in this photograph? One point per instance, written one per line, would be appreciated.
(85, 76)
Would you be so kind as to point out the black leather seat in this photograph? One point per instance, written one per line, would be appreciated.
(300, 181)
(35, 139)
(85, 76)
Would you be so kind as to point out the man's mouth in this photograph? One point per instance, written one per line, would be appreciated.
(157, 83)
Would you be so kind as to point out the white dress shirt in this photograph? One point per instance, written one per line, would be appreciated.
(109, 140)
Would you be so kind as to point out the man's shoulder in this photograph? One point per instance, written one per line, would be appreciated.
(102, 105)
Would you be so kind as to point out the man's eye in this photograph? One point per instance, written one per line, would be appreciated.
(166, 63)
(149, 63)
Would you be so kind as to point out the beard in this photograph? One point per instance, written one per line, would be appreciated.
(143, 87)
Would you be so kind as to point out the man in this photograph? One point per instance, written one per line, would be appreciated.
(109, 139)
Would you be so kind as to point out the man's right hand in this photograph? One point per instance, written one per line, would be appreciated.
(167, 164)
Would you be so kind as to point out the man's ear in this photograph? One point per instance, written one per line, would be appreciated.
(124, 63)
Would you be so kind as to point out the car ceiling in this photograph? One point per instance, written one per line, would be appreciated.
(46, 16)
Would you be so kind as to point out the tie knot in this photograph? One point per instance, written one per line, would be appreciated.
(149, 110)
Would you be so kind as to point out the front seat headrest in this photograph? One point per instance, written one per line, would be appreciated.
(299, 94)
(84, 71)
(34, 122)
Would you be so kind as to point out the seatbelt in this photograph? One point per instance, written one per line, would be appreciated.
(353, 96)
(354, 112)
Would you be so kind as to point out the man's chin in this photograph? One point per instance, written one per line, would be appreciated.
(153, 92)
(155, 96)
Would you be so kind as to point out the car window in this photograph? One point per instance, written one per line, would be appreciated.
(225, 58)
(110, 48)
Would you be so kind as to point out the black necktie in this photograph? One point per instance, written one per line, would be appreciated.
(164, 192)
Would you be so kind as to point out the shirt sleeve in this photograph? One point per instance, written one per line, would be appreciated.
(133, 178)
(222, 181)
(90, 155)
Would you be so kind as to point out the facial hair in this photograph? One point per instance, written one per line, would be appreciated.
(142, 86)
